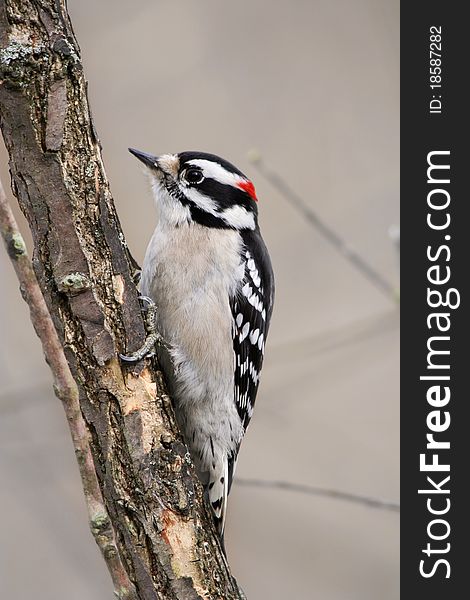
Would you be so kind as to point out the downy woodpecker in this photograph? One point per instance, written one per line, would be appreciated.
(209, 274)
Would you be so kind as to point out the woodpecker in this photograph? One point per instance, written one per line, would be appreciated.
(209, 274)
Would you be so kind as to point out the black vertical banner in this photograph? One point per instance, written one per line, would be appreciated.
(435, 201)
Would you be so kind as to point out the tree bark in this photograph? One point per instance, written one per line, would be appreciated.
(163, 530)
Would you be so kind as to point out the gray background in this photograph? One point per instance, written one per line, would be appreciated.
(314, 86)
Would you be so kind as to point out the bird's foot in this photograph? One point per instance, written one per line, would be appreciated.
(153, 337)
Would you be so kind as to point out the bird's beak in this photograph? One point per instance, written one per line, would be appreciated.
(148, 159)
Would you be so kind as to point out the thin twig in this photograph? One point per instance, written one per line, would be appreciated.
(326, 231)
(337, 337)
(67, 391)
(312, 490)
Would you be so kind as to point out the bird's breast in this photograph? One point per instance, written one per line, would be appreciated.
(191, 272)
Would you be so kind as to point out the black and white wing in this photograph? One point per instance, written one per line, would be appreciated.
(251, 309)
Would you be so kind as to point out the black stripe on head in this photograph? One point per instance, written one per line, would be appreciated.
(185, 157)
(208, 219)
(226, 195)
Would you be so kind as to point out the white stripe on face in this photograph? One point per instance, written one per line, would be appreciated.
(201, 200)
(216, 171)
(238, 217)
(235, 216)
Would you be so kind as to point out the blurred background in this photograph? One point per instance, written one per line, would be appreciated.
(314, 86)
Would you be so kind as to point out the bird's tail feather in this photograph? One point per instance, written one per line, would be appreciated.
(217, 492)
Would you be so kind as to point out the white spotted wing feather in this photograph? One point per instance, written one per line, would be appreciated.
(251, 314)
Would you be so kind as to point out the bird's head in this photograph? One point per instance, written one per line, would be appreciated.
(196, 187)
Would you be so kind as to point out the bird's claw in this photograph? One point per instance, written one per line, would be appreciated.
(149, 301)
(147, 349)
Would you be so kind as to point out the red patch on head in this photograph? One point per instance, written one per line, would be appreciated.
(249, 188)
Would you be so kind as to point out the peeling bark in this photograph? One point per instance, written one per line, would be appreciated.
(164, 532)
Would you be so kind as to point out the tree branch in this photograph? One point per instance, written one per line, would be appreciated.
(164, 533)
(67, 391)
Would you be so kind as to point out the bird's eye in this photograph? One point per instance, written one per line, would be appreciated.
(193, 175)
